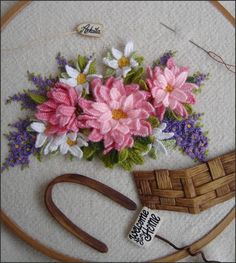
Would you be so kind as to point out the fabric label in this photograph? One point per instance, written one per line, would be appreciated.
(145, 227)
(90, 29)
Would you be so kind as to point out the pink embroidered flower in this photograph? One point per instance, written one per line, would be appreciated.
(169, 89)
(59, 112)
(118, 113)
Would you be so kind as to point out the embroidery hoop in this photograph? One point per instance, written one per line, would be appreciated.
(19, 6)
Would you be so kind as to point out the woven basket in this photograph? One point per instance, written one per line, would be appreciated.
(189, 190)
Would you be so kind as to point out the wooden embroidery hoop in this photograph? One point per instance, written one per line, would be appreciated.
(176, 256)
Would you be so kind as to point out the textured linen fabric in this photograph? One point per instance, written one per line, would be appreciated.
(22, 191)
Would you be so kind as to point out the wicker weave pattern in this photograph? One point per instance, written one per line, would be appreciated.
(189, 190)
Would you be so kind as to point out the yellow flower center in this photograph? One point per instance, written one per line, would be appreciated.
(169, 88)
(118, 114)
(123, 62)
(81, 79)
(189, 126)
(70, 142)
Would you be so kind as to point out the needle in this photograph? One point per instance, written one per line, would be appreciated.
(211, 54)
(168, 27)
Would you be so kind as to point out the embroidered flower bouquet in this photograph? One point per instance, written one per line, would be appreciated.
(118, 117)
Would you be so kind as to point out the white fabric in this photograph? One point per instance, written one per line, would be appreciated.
(22, 191)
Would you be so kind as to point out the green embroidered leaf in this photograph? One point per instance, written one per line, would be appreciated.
(92, 68)
(71, 157)
(181, 150)
(140, 147)
(77, 65)
(109, 55)
(130, 73)
(98, 146)
(71, 63)
(85, 131)
(169, 144)
(106, 159)
(84, 93)
(123, 155)
(177, 117)
(139, 60)
(82, 62)
(189, 109)
(129, 76)
(199, 125)
(64, 75)
(198, 90)
(152, 153)
(171, 115)
(135, 157)
(134, 76)
(138, 75)
(39, 99)
(88, 152)
(190, 79)
(114, 156)
(143, 84)
(109, 72)
(127, 164)
(144, 140)
(29, 129)
(156, 63)
(154, 121)
(38, 156)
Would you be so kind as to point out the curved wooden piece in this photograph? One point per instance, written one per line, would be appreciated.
(20, 5)
(202, 242)
(47, 251)
(66, 222)
(170, 258)
(223, 11)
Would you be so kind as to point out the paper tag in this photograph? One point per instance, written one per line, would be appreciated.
(145, 227)
(90, 29)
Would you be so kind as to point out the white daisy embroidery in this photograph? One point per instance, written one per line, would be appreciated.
(123, 61)
(71, 142)
(159, 135)
(43, 139)
(79, 79)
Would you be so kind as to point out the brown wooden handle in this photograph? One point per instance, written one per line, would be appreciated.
(67, 223)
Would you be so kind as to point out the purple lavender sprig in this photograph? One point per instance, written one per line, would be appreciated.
(198, 78)
(42, 86)
(61, 61)
(41, 83)
(24, 99)
(189, 136)
(162, 61)
(21, 145)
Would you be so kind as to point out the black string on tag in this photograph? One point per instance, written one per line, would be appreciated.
(187, 249)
